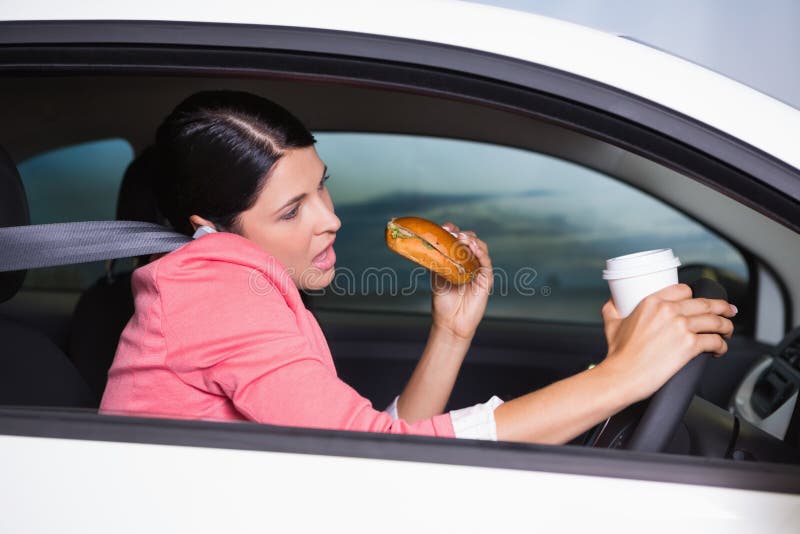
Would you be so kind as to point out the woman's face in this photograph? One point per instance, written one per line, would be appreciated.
(293, 218)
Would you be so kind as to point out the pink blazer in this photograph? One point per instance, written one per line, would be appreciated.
(220, 333)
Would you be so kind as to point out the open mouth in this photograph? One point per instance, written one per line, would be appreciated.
(325, 259)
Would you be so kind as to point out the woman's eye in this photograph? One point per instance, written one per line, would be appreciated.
(290, 214)
(322, 183)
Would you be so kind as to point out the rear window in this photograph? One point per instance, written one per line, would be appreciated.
(74, 183)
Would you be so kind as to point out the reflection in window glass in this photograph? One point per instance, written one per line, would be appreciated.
(549, 224)
(75, 183)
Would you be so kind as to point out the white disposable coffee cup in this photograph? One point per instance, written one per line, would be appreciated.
(631, 278)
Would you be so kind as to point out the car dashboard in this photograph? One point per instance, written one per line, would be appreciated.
(767, 395)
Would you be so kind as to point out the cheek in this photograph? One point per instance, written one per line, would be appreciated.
(289, 243)
(270, 238)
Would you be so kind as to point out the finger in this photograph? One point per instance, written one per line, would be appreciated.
(703, 306)
(480, 250)
(674, 292)
(462, 237)
(469, 238)
(609, 311)
(482, 245)
(710, 324)
(452, 228)
(478, 245)
(475, 244)
(484, 276)
(483, 279)
(481, 255)
(466, 238)
(710, 343)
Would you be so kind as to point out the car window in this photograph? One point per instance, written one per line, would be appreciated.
(73, 183)
(550, 224)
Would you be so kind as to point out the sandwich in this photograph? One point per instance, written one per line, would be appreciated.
(428, 244)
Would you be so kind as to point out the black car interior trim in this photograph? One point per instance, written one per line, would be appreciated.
(767, 169)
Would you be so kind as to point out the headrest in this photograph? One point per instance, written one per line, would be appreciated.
(13, 212)
(137, 199)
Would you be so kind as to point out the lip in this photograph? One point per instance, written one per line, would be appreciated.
(326, 258)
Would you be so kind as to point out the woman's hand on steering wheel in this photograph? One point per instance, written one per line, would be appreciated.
(459, 309)
(664, 332)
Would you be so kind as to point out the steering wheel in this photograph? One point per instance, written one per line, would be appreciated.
(650, 425)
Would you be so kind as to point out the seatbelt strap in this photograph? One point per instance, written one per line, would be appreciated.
(49, 245)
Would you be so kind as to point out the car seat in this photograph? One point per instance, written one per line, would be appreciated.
(106, 306)
(33, 370)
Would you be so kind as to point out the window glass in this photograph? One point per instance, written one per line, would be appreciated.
(549, 224)
(74, 183)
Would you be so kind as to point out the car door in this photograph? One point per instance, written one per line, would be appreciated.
(419, 89)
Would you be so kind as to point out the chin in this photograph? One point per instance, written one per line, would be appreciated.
(314, 279)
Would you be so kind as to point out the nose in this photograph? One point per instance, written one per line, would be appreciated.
(333, 222)
(328, 221)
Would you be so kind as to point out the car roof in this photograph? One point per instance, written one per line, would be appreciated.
(709, 97)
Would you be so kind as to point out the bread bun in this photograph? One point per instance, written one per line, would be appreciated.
(433, 247)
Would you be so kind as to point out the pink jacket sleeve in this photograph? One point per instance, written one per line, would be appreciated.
(226, 337)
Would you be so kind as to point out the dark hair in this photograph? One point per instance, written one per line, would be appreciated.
(215, 151)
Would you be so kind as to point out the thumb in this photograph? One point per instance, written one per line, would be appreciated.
(611, 321)
(610, 312)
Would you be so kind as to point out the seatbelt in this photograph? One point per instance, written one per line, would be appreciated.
(49, 245)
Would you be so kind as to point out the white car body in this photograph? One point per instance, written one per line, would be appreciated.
(156, 488)
(78, 485)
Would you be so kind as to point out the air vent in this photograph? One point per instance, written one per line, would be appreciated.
(771, 391)
(792, 353)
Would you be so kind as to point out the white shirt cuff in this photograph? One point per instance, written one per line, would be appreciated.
(392, 408)
(476, 422)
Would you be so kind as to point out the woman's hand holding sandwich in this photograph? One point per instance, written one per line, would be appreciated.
(457, 310)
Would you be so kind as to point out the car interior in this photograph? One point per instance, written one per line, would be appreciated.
(58, 344)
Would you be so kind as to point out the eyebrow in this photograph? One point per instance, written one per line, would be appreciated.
(301, 196)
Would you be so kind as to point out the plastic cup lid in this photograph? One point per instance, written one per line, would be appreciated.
(640, 263)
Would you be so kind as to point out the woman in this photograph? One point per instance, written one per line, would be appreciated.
(220, 331)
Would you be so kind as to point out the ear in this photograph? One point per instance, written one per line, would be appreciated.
(198, 221)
